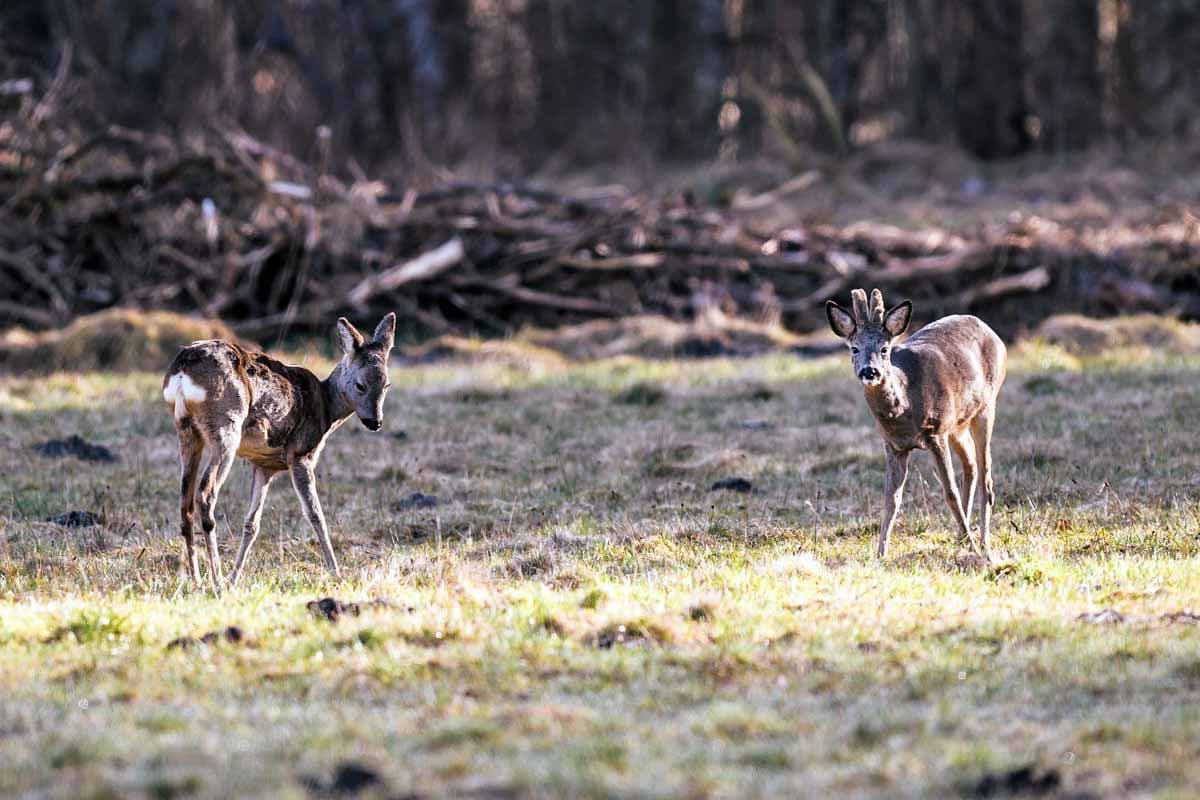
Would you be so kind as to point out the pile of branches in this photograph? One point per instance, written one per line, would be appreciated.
(222, 225)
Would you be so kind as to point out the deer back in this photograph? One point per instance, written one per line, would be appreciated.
(949, 372)
(282, 411)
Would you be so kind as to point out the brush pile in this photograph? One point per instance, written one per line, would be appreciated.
(221, 225)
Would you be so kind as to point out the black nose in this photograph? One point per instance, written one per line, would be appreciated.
(868, 373)
(372, 424)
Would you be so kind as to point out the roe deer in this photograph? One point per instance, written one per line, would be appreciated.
(937, 391)
(228, 401)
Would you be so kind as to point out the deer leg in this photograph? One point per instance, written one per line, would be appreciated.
(223, 447)
(964, 448)
(981, 428)
(893, 494)
(305, 483)
(939, 448)
(191, 448)
(260, 482)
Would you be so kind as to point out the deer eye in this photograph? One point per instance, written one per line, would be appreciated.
(854, 350)
(359, 385)
(883, 351)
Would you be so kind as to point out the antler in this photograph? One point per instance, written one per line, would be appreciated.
(877, 307)
(867, 313)
(858, 299)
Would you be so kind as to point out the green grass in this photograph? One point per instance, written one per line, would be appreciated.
(581, 616)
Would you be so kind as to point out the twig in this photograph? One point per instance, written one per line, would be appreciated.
(50, 100)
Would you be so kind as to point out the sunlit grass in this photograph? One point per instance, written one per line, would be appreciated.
(581, 616)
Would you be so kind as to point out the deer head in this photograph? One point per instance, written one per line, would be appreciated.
(362, 378)
(869, 332)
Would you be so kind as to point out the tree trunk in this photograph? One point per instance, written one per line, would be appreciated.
(1067, 85)
(688, 63)
(991, 110)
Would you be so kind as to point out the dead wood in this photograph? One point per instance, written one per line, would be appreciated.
(227, 226)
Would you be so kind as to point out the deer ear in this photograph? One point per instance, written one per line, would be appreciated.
(385, 331)
(896, 318)
(840, 320)
(348, 337)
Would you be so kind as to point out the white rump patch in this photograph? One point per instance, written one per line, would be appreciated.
(182, 390)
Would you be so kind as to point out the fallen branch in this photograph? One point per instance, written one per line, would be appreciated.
(794, 185)
(421, 268)
(226, 224)
(633, 261)
(1033, 280)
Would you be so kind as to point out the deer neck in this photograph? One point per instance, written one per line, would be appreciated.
(336, 403)
(888, 399)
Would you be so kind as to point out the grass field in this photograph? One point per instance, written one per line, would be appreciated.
(580, 616)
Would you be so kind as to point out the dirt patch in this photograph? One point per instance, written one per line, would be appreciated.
(1023, 781)
(332, 609)
(349, 778)
(418, 500)
(75, 446)
(75, 519)
(230, 635)
(1082, 335)
(732, 484)
(641, 394)
(116, 340)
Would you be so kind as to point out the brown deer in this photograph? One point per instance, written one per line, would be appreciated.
(229, 401)
(936, 391)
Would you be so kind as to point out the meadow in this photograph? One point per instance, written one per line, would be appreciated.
(569, 609)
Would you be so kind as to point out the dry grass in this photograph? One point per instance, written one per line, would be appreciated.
(117, 340)
(1149, 333)
(581, 616)
(712, 333)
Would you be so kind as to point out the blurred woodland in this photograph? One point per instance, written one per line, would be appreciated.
(271, 162)
(404, 84)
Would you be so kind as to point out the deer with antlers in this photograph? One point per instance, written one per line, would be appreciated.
(228, 401)
(936, 391)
